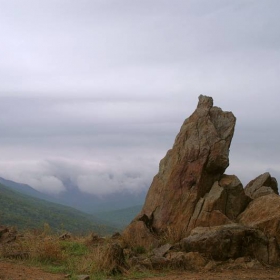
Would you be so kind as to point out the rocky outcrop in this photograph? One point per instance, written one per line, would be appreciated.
(191, 200)
(221, 205)
(262, 185)
(263, 213)
(228, 242)
(198, 158)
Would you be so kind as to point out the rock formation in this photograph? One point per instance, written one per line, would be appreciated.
(186, 174)
(262, 185)
(191, 200)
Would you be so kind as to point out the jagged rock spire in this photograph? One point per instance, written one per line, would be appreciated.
(198, 158)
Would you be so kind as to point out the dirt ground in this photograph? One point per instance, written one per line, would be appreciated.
(225, 275)
(16, 271)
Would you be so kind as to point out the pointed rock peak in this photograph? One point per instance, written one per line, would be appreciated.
(205, 102)
(198, 158)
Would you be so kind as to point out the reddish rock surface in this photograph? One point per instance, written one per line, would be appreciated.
(198, 158)
(191, 200)
(262, 185)
(228, 242)
(263, 213)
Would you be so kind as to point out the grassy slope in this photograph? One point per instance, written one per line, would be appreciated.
(23, 211)
(120, 218)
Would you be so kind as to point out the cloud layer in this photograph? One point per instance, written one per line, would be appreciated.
(96, 91)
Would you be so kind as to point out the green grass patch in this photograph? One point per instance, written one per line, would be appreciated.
(73, 248)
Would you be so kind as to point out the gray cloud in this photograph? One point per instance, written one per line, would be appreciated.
(96, 91)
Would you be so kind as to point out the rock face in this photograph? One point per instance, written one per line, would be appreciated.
(263, 213)
(221, 205)
(191, 200)
(198, 158)
(262, 185)
(228, 242)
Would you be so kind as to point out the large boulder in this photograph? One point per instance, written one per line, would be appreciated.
(236, 199)
(198, 158)
(228, 242)
(262, 185)
(139, 234)
(221, 205)
(263, 213)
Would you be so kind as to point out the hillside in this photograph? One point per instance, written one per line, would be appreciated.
(85, 202)
(120, 218)
(24, 212)
(27, 190)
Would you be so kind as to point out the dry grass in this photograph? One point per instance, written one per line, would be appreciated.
(74, 256)
(134, 238)
(173, 235)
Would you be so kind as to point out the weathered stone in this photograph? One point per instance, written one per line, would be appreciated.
(210, 265)
(263, 191)
(176, 259)
(159, 262)
(262, 185)
(273, 251)
(191, 260)
(83, 277)
(7, 234)
(198, 158)
(236, 199)
(146, 263)
(192, 197)
(16, 255)
(264, 213)
(176, 247)
(227, 242)
(138, 234)
(65, 236)
(195, 260)
(162, 250)
(224, 202)
(209, 209)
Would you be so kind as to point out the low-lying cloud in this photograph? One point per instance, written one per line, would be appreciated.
(91, 177)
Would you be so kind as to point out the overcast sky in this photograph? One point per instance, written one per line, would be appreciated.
(96, 90)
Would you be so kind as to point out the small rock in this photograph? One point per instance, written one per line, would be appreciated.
(210, 265)
(194, 260)
(17, 255)
(116, 235)
(146, 263)
(262, 185)
(161, 251)
(83, 277)
(159, 262)
(65, 236)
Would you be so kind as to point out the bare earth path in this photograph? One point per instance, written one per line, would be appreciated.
(18, 271)
(238, 274)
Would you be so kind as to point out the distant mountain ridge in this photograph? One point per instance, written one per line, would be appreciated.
(85, 202)
(26, 189)
(121, 218)
(23, 211)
